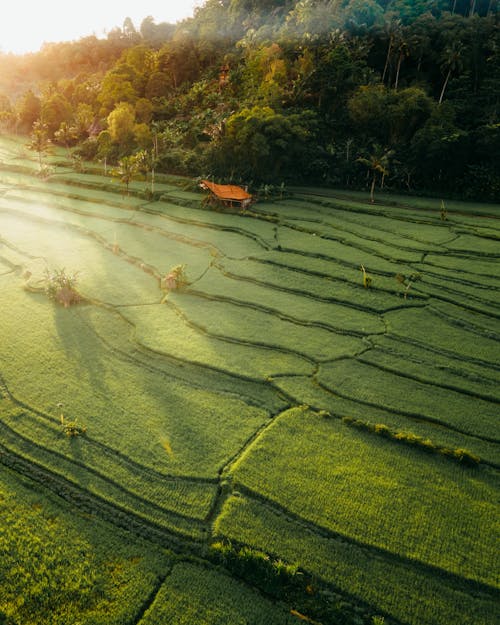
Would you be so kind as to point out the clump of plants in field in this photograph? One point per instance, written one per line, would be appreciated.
(367, 280)
(71, 428)
(176, 278)
(255, 566)
(407, 281)
(444, 211)
(272, 192)
(60, 286)
(461, 455)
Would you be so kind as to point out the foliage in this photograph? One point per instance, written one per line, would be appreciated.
(367, 280)
(60, 286)
(324, 80)
(268, 574)
(407, 281)
(263, 144)
(127, 168)
(461, 455)
(39, 142)
(176, 277)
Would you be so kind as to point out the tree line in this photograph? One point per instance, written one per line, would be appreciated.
(402, 94)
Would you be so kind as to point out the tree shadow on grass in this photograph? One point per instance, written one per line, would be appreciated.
(81, 346)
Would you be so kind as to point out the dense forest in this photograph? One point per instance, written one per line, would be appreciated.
(402, 94)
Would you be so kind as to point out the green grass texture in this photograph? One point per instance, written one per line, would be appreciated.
(60, 566)
(420, 507)
(193, 400)
(205, 596)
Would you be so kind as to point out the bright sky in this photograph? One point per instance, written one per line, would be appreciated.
(26, 24)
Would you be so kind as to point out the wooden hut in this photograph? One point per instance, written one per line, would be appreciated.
(229, 195)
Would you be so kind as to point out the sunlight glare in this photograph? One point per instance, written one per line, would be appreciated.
(27, 24)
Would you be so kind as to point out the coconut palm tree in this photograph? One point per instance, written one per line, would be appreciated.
(127, 167)
(451, 61)
(392, 29)
(378, 163)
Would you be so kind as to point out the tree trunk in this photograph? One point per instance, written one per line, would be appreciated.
(387, 59)
(408, 177)
(372, 190)
(444, 86)
(400, 60)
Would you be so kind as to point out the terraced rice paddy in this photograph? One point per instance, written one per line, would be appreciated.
(216, 412)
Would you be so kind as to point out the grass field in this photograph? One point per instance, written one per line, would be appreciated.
(275, 404)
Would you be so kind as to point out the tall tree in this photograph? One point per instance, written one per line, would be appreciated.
(451, 61)
(378, 163)
(121, 122)
(39, 142)
(127, 167)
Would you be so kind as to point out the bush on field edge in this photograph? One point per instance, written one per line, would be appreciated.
(461, 455)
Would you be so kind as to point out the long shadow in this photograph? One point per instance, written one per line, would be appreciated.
(80, 345)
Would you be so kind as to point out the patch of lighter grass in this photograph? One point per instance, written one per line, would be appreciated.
(384, 258)
(430, 367)
(223, 239)
(162, 329)
(364, 237)
(461, 266)
(255, 327)
(475, 245)
(294, 306)
(189, 498)
(102, 275)
(55, 356)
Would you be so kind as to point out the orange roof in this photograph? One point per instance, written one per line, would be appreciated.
(226, 191)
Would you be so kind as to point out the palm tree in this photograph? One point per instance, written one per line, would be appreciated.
(39, 141)
(127, 166)
(451, 60)
(146, 162)
(378, 163)
(392, 28)
(403, 52)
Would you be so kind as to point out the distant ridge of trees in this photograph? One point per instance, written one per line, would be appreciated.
(266, 91)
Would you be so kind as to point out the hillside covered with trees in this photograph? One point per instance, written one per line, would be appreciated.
(402, 93)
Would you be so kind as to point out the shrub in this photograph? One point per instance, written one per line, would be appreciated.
(61, 287)
(176, 278)
(256, 567)
(461, 455)
(72, 428)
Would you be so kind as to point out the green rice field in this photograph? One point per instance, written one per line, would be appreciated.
(273, 442)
